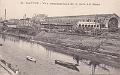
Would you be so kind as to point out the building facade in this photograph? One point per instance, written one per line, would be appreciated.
(98, 21)
(25, 22)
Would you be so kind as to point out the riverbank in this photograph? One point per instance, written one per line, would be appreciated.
(27, 37)
(91, 48)
(15, 50)
(86, 47)
(8, 70)
(5, 68)
(3, 71)
(92, 44)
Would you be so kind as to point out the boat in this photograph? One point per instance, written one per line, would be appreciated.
(31, 59)
(67, 64)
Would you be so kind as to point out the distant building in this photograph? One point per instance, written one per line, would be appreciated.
(39, 19)
(15, 21)
(25, 22)
(98, 21)
(12, 23)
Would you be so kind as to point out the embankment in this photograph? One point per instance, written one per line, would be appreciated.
(102, 50)
(90, 48)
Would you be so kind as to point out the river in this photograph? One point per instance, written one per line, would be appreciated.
(15, 50)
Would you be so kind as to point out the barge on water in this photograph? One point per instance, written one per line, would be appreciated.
(67, 64)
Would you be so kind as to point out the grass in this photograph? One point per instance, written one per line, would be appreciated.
(108, 43)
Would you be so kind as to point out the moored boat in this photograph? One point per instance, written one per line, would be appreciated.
(67, 64)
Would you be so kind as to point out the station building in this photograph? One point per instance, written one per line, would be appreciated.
(97, 21)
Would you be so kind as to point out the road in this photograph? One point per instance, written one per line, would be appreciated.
(15, 51)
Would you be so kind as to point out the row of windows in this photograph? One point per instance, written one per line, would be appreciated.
(88, 25)
(90, 20)
(73, 20)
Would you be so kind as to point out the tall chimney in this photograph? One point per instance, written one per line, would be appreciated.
(5, 14)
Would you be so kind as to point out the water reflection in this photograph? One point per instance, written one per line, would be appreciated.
(93, 64)
(3, 36)
(77, 58)
(8, 37)
(48, 56)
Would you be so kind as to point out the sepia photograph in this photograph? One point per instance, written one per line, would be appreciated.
(59, 37)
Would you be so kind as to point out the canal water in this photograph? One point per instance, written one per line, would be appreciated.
(15, 50)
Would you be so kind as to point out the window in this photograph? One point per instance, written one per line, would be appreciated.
(94, 25)
(91, 25)
(89, 20)
(88, 25)
(97, 25)
(79, 25)
(83, 25)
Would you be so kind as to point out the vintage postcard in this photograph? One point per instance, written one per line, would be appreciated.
(59, 37)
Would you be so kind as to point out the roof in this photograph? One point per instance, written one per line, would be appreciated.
(104, 15)
(26, 19)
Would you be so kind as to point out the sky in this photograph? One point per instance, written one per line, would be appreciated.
(18, 8)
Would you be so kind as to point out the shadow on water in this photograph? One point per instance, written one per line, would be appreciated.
(73, 66)
(10, 37)
(62, 61)
(3, 36)
(91, 63)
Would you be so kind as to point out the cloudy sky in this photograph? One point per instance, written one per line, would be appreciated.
(18, 8)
